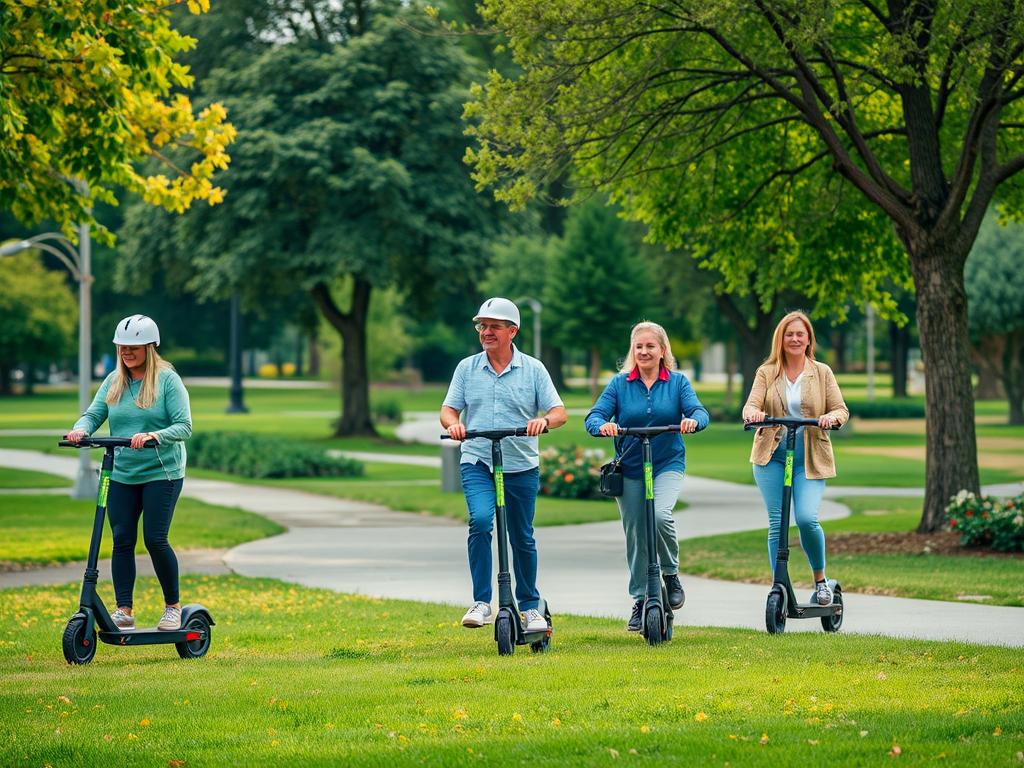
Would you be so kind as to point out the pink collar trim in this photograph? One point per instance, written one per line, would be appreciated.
(635, 374)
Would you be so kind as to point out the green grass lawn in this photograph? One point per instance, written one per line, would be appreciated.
(744, 556)
(39, 530)
(21, 478)
(308, 677)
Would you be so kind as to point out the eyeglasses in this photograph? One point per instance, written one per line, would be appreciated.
(496, 327)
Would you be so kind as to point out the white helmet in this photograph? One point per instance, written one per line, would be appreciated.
(499, 309)
(136, 331)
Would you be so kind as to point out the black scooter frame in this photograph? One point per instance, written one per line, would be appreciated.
(782, 602)
(509, 630)
(192, 639)
(657, 617)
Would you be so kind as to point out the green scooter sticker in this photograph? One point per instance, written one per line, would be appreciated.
(499, 485)
(104, 487)
(648, 482)
(789, 468)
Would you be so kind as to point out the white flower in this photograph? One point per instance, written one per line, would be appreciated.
(1018, 520)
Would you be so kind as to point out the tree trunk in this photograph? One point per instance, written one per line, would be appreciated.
(730, 359)
(838, 339)
(553, 357)
(355, 386)
(1013, 375)
(5, 378)
(314, 356)
(989, 355)
(756, 342)
(899, 351)
(952, 451)
(595, 370)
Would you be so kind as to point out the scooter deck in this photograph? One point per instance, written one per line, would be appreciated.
(810, 610)
(149, 636)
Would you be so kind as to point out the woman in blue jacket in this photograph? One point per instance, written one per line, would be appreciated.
(649, 392)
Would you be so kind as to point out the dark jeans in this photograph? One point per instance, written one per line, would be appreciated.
(154, 503)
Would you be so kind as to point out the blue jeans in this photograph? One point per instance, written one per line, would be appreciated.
(633, 510)
(806, 497)
(521, 490)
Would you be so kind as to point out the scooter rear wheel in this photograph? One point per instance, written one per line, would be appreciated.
(775, 614)
(652, 625)
(503, 634)
(835, 621)
(195, 649)
(78, 649)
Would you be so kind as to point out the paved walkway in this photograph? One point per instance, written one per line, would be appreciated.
(363, 548)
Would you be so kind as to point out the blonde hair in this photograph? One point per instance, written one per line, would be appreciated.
(148, 391)
(667, 360)
(776, 358)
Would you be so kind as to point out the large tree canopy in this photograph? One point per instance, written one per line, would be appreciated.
(733, 115)
(85, 92)
(348, 177)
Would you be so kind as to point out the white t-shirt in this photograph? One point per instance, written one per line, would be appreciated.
(793, 394)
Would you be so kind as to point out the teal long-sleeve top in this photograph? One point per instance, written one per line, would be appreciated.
(169, 418)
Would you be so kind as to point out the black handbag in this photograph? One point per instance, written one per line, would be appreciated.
(611, 478)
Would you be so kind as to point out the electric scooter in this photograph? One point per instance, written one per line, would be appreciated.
(192, 639)
(782, 602)
(657, 618)
(509, 629)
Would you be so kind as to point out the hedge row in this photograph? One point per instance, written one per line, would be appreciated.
(256, 456)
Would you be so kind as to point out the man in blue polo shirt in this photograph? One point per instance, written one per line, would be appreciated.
(501, 388)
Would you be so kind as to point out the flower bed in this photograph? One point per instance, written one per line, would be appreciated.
(985, 521)
(571, 472)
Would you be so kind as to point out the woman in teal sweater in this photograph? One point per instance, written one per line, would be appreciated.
(144, 399)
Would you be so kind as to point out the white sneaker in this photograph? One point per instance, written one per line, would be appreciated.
(479, 613)
(823, 593)
(535, 621)
(171, 618)
(124, 621)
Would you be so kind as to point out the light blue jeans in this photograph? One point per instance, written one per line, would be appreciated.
(520, 503)
(634, 524)
(806, 497)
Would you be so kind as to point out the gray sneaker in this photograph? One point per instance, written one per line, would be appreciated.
(822, 593)
(171, 618)
(479, 613)
(124, 621)
(534, 620)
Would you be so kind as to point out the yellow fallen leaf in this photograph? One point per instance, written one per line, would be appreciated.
(764, 738)
(644, 729)
(700, 717)
(516, 717)
(998, 731)
(64, 699)
(812, 741)
(144, 721)
(614, 753)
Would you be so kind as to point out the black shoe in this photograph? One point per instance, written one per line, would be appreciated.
(637, 618)
(676, 596)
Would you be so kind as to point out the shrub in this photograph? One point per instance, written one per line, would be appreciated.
(288, 369)
(888, 409)
(268, 371)
(988, 521)
(387, 412)
(258, 456)
(571, 472)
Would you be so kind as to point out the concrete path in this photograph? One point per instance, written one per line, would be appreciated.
(363, 548)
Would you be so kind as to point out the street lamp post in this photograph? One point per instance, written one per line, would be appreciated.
(535, 306)
(237, 405)
(78, 261)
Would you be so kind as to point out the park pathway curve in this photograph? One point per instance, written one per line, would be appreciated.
(363, 548)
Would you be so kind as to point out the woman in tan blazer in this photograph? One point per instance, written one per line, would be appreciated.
(791, 383)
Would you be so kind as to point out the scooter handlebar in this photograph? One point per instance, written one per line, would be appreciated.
(785, 422)
(648, 431)
(495, 434)
(103, 442)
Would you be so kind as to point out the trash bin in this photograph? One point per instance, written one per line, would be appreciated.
(451, 456)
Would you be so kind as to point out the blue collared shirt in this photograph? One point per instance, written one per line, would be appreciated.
(627, 402)
(502, 401)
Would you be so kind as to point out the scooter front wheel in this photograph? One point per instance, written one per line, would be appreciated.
(775, 614)
(78, 649)
(503, 634)
(652, 625)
